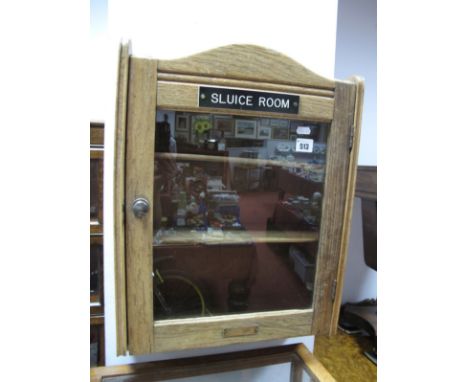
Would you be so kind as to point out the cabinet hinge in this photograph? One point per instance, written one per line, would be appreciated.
(333, 291)
(351, 137)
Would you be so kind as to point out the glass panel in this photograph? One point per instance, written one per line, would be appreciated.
(237, 208)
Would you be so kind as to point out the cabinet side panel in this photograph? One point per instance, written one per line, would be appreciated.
(119, 199)
(358, 107)
(336, 180)
(139, 183)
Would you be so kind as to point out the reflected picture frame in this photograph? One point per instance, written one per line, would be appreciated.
(264, 132)
(225, 125)
(246, 128)
(283, 123)
(280, 133)
(182, 123)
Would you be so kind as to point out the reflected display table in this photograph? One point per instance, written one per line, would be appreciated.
(283, 363)
(228, 261)
(296, 184)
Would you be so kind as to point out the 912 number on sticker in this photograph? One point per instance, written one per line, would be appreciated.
(304, 145)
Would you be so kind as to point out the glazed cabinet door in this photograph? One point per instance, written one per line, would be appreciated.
(235, 199)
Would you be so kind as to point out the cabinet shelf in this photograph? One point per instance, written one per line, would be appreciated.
(192, 237)
(236, 160)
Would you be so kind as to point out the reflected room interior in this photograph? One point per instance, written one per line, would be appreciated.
(236, 217)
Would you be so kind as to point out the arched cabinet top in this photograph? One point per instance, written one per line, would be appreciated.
(247, 62)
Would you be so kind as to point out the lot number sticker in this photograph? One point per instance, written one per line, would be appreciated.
(304, 145)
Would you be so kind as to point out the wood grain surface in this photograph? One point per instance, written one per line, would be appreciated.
(333, 207)
(322, 100)
(320, 373)
(96, 137)
(343, 356)
(366, 182)
(139, 183)
(119, 200)
(247, 62)
(349, 201)
(185, 78)
(208, 331)
(179, 96)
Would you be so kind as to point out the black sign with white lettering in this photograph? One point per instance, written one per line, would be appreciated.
(248, 100)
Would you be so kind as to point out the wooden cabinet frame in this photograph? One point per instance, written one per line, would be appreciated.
(145, 85)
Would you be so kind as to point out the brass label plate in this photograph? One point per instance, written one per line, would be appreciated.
(240, 331)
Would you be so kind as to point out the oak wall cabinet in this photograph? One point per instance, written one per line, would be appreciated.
(234, 181)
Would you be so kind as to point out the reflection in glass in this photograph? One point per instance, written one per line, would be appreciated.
(237, 210)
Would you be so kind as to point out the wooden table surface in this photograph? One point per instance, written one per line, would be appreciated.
(343, 356)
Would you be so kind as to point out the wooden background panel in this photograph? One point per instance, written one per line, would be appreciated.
(178, 96)
(333, 207)
(96, 134)
(369, 231)
(209, 331)
(366, 182)
(141, 121)
(119, 199)
(247, 62)
(97, 224)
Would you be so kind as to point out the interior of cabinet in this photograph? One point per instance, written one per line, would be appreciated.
(243, 237)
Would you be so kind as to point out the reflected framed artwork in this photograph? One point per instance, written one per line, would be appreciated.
(246, 128)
